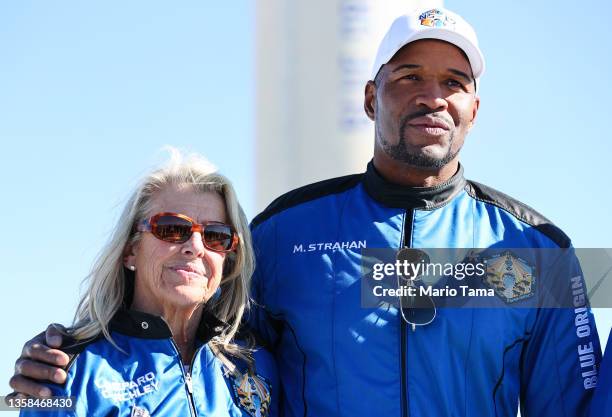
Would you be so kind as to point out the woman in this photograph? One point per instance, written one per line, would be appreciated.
(153, 333)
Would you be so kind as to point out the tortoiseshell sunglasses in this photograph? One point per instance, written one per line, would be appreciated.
(178, 228)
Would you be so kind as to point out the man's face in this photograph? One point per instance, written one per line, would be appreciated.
(423, 104)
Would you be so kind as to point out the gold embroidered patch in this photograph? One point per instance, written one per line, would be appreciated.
(511, 277)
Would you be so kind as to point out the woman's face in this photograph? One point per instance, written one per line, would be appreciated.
(178, 275)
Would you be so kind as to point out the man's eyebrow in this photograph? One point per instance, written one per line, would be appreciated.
(461, 74)
(406, 66)
(457, 72)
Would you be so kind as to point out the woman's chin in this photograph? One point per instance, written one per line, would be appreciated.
(186, 295)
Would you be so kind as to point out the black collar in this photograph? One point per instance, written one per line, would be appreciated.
(147, 326)
(401, 196)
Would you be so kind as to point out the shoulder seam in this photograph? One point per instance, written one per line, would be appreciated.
(307, 193)
(501, 206)
(561, 239)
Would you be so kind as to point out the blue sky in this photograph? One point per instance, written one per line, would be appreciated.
(92, 91)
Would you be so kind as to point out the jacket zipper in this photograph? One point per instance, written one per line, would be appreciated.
(408, 219)
(187, 378)
(404, 397)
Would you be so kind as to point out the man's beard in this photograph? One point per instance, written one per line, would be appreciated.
(400, 152)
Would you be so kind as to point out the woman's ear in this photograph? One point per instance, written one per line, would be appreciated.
(129, 257)
(228, 264)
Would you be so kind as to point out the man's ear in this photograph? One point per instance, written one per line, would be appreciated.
(369, 102)
(475, 108)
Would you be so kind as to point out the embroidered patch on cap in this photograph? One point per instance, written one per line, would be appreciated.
(511, 277)
(437, 19)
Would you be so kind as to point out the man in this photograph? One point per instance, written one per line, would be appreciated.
(337, 358)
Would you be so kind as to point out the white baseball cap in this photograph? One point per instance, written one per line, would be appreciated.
(437, 23)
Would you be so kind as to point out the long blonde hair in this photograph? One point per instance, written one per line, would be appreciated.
(105, 290)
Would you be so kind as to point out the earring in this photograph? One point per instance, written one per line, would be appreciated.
(132, 267)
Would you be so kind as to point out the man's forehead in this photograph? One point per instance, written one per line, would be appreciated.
(423, 50)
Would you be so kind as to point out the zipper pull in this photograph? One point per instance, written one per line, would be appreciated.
(413, 327)
(188, 383)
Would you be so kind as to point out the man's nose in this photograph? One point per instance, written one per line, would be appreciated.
(432, 96)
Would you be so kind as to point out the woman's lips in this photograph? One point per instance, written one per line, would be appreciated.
(187, 272)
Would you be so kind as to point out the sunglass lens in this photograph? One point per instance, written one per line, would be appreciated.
(172, 229)
(218, 237)
(420, 310)
(411, 256)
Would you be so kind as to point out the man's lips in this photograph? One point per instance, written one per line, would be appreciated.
(429, 123)
(429, 126)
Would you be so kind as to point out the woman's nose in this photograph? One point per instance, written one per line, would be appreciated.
(194, 246)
